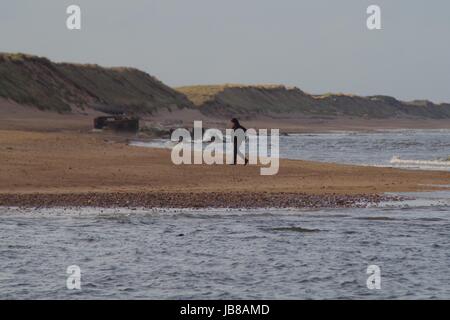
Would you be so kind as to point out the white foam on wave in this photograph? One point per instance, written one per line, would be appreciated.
(429, 163)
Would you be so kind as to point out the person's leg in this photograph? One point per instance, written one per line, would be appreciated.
(235, 149)
(242, 155)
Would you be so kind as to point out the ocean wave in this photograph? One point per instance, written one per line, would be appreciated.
(434, 163)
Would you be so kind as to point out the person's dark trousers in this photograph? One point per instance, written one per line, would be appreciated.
(235, 150)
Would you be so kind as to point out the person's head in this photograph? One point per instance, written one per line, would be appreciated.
(235, 122)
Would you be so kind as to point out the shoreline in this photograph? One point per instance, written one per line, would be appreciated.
(202, 200)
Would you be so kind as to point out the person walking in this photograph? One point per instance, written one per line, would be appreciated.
(238, 138)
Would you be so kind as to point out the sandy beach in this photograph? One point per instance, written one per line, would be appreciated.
(82, 168)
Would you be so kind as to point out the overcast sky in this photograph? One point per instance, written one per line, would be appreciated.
(318, 45)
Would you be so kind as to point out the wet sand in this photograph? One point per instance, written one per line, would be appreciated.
(91, 169)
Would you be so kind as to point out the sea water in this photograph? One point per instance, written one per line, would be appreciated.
(227, 254)
(408, 149)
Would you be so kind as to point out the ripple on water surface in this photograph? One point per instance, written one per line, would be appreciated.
(225, 254)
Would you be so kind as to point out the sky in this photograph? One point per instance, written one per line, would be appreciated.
(317, 45)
